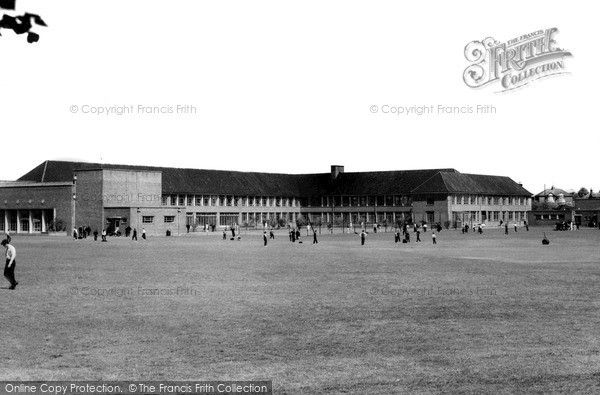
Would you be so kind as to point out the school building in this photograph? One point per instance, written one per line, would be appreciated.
(56, 196)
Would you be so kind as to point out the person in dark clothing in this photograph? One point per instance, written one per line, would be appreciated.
(95, 234)
(127, 231)
(290, 234)
(187, 226)
(506, 228)
(297, 234)
(80, 234)
(271, 234)
(418, 236)
(480, 230)
(224, 235)
(515, 227)
(9, 268)
(233, 231)
(315, 241)
(397, 236)
(526, 226)
(265, 238)
(363, 236)
(134, 236)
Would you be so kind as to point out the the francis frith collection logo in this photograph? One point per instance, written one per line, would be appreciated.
(514, 63)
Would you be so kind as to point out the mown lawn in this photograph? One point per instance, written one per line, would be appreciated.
(474, 313)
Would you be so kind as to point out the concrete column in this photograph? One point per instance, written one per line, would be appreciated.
(30, 222)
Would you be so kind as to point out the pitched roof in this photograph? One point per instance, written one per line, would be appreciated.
(455, 182)
(587, 204)
(177, 180)
(200, 181)
(555, 192)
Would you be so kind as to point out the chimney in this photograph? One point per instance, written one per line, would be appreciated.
(336, 170)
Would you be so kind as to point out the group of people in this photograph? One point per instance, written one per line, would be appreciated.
(294, 234)
(84, 232)
(404, 237)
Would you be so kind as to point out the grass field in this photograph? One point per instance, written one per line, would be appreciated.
(474, 313)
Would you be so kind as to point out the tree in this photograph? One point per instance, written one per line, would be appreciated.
(20, 24)
(583, 192)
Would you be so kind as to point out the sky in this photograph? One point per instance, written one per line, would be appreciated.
(294, 87)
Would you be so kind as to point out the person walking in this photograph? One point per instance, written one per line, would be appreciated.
(104, 234)
(419, 235)
(515, 227)
(265, 238)
(95, 234)
(363, 236)
(315, 241)
(75, 235)
(144, 233)
(434, 238)
(134, 235)
(9, 268)
(271, 234)
(506, 228)
(526, 226)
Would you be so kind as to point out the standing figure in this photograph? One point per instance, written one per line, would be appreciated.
(419, 234)
(9, 268)
(363, 236)
(434, 237)
(271, 234)
(104, 234)
(315, 241)
(134, 236)
(224, 235)
(265, 238)
(515, 227)
(506, 228)
(95, 234)
(75, 233)
(144, 233)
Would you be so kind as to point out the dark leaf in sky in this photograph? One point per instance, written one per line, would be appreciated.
(32, 37)
(7, 4)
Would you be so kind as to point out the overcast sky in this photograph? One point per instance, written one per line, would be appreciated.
(288, 87)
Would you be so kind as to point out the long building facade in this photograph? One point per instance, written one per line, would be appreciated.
(57, 196)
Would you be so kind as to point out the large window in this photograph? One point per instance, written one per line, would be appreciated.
(147, 219)
(203, 219)
(430, 200)
(169, 219)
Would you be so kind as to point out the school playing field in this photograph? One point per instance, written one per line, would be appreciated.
(474, 313)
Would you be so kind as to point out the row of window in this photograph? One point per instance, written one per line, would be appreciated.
(267, 201)
(495, 216)
(226, 200)
(549, 216)
(490, 200)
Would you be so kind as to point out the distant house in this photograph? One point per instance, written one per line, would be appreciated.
(555, 196)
